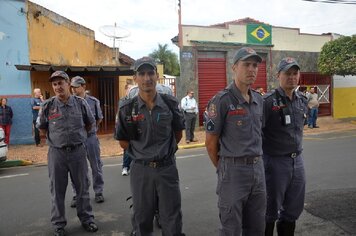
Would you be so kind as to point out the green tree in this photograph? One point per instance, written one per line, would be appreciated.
(338, 57)
(168, 58)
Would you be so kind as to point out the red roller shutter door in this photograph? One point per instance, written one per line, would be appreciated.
(212, 79)
(261, 80)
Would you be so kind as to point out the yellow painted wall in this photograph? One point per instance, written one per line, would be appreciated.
(344, 102)
(283, 39)
(56, 40)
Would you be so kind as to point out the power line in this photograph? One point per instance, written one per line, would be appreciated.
(350, 2)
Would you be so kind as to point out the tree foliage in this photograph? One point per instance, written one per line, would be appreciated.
(168, 58)
(338, 57)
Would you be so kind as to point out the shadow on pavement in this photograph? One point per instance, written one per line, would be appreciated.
(336, 205)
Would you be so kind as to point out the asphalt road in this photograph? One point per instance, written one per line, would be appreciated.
(330, 207)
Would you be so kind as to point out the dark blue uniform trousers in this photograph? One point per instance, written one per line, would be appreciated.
(285, 183)
(60, 162)
(242, 197)
(148, 184)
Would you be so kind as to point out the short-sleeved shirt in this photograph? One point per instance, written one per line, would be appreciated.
(155, 129)
(280, 139)
(34, 103)
(237, 122)
(94, 105)
(65, 123)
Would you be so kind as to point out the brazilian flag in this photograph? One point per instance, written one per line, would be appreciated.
(259, 34)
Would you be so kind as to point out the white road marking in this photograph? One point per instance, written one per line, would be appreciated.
(111, 165)
(187, 156)
(179, 157)
(13, 176)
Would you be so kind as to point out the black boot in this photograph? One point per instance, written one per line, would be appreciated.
(285, 228)
(269, 229)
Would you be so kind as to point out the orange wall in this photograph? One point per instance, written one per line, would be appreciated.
(55, 40)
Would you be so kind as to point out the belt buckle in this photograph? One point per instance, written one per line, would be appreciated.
(293, 155)
(68, 148)
(153, 164)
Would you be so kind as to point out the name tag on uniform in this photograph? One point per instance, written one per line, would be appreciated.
(287, 119)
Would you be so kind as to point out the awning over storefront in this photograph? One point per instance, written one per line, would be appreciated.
(80, 70)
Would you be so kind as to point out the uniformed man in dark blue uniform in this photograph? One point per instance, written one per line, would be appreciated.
(234, 144)
(149, 127)
(92, 143)
(66, 119)
(285, 111)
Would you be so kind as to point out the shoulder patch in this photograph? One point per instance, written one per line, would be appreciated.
(125, 101)
(210, 125)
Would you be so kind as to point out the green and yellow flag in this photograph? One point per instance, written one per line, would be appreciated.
(259, 34)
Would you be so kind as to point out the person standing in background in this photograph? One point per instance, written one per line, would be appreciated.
(36, 102)
(92, 143)
(5, 119)
(313, 105)
(190, 108)
(126, 158)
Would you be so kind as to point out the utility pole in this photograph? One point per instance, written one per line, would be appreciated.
(180, 33)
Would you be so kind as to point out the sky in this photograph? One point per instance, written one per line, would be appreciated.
(153, 22)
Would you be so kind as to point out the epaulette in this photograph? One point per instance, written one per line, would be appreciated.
(125, 101)
(269, 94)
(93, 98)
(48, 101)
(168, 97)
(255, 91)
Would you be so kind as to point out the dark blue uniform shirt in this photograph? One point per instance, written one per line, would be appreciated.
(279, 139)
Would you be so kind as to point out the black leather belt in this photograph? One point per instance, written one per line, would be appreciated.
(245, 160)
(155, 164)
(71, 148)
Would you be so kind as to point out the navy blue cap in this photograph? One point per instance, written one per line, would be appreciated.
(245, 53)
(144, 61)
(287, 63)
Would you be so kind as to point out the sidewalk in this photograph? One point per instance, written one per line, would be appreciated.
(110, 147)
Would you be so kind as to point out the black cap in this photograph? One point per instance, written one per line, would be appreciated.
(144, 61)
(287, 63)
(245, 53)
(59, 74)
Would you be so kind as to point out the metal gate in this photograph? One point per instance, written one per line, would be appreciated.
(108, 100)
(322, 83)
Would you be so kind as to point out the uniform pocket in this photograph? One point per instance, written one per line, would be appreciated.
(225, 214)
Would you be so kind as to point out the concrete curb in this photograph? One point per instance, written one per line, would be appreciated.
(191, 146)
(13, 163)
